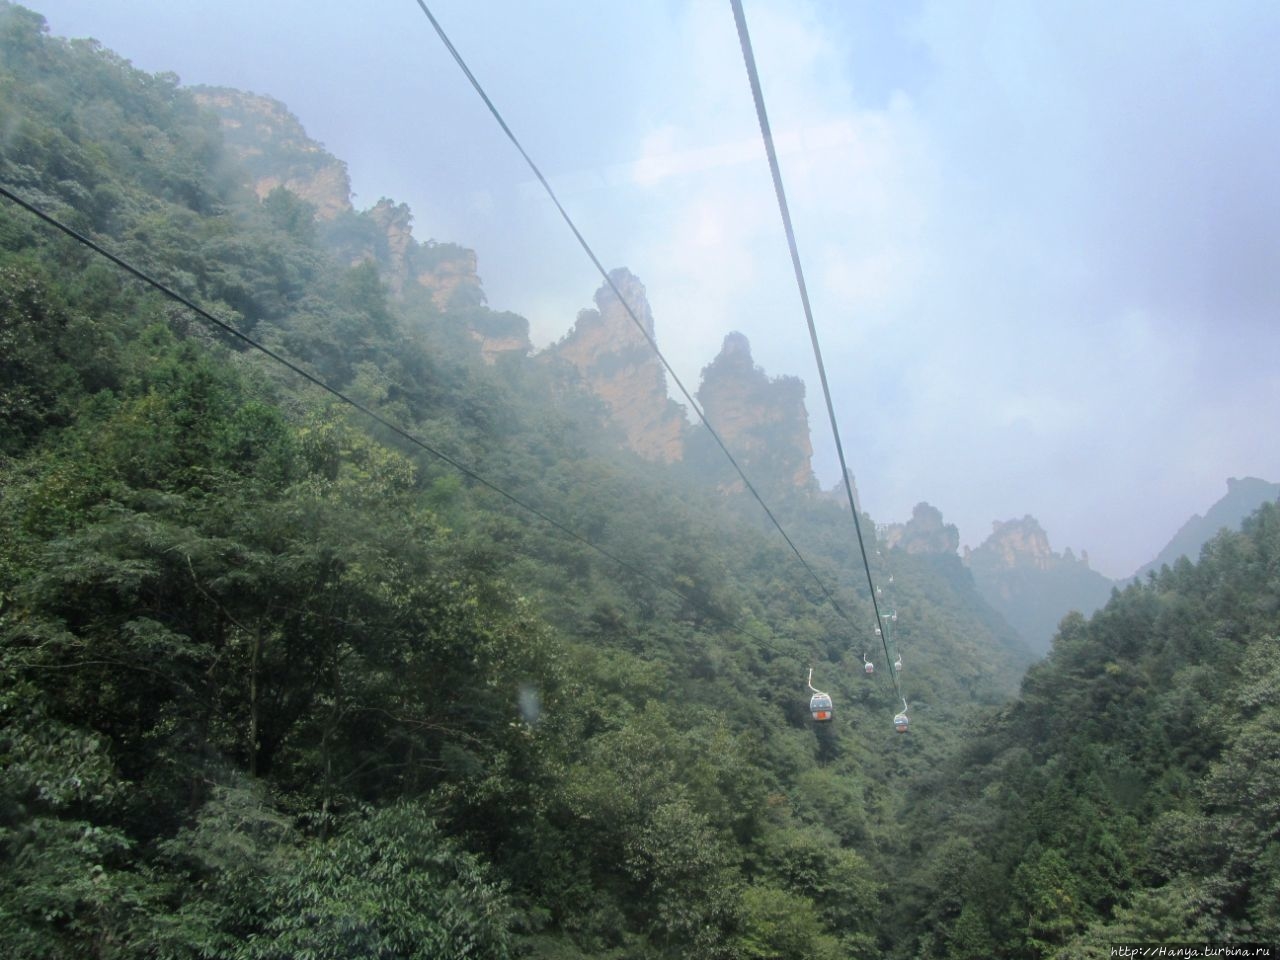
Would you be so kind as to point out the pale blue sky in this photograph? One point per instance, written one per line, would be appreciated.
(1043, 239)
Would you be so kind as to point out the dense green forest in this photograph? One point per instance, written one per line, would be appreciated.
(275, 683)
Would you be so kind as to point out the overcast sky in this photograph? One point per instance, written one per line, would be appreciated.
(1042, 239)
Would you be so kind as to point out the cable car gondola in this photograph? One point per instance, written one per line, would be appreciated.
(867, 666)
(900, 721)
(820, 703)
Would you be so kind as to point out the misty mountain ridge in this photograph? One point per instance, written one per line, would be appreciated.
(1243, 497)
(762, 419)
(1034, 587)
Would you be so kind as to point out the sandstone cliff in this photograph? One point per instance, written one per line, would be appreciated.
(273, 146)
(448, 272)
(1015, 543)
(616, 363)
(924, 533)
(762, 421)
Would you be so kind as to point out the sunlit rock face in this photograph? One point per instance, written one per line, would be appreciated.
(617, 364)
(273, 146)
(445, 270)
(924, 533)
(762, 420)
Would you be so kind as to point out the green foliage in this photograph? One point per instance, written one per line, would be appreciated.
(64, 882)
(782, 926)
(389, 886)
(50, 357)
(1127, 793)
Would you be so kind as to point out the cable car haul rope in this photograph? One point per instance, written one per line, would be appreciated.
(757, 95)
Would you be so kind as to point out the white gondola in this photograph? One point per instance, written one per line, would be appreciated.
(900, 722)
(867, 666)
(820, 707)
(820, 703)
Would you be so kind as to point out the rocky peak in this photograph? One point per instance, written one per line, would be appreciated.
(617, 364)
(735, 354)
(924, 533)
(272, 145)
(274, 148)
(1022, 544)
(614, 312)
(448, 272)
(394, 223)
(762, 420)
(1033, 588)
(1015, 543)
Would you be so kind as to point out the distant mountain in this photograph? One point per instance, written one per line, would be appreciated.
(924, 533)
(1034, 588)
(761, 418)
(1243, 497)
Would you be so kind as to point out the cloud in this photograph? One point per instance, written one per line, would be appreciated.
(711, 246)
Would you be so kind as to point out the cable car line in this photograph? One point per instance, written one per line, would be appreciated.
(891, 617)
(900, 720)
(466, 471)
(757, 95)
(586, 247)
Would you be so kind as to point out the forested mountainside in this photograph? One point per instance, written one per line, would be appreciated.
(1130, 794)
(274, 683)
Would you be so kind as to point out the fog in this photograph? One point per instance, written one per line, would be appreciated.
(1041, 240)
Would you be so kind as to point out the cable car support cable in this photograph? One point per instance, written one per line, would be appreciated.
(748, 56)
(586, 247)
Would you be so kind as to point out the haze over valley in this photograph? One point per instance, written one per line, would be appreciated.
(1039, 240)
